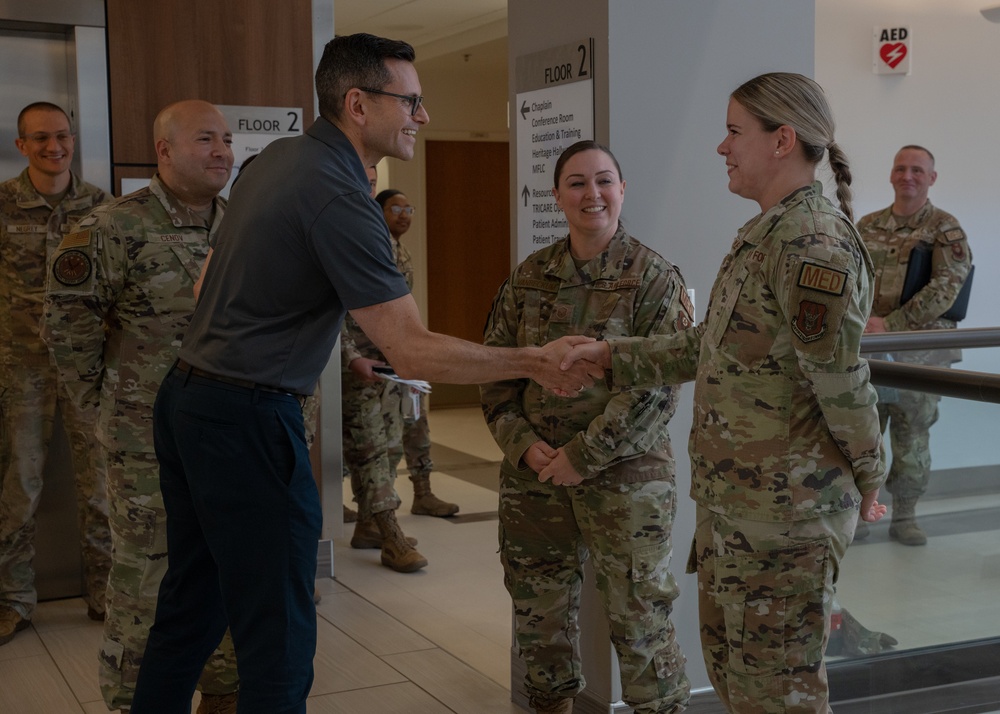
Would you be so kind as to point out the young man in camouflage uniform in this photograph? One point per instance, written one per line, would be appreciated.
(120, 297)
(36, 210)
(891, 235)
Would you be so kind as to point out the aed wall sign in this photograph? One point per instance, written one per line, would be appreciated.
(891, 50)
(254, 128)
(554, 109)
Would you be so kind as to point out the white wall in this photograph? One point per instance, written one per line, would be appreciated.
(950, 103)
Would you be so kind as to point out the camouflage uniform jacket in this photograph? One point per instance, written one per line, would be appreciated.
(890, 240)
(785, 426)
(119, 300)
(30, 231)
(354, 343)
(626, 290)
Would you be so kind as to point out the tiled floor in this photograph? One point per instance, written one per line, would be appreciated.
(438, 641)
(431, 642)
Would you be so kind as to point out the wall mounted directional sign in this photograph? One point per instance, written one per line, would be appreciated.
(555, 108)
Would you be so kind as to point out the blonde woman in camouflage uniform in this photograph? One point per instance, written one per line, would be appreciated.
(608, 490)
(119, 300)
(37, 209)
(785, 443)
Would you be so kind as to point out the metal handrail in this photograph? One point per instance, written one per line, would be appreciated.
(931, 339)
(977, 386)
(963, 384)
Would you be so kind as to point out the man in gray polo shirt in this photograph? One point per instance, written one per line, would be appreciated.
(301, 243)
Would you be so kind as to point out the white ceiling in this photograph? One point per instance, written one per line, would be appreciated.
(433, 27)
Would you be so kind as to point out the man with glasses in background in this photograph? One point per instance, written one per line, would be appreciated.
(37, 209)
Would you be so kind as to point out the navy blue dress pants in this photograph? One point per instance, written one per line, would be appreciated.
(243, 522)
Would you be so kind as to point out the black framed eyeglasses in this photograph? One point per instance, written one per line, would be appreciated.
(413, 99)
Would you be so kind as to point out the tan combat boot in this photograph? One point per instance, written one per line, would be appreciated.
(397, 553)
(11, 623)
(426, 503)
(350, 515)
(904, 526)
(366, 535)
(218, 703)
(559, 706)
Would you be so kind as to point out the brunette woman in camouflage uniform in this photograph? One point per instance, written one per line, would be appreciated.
(610, 490)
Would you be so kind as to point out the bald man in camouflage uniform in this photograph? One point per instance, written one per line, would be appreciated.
(120, 298)
(623, 511)
(891, 235)
(36, 211)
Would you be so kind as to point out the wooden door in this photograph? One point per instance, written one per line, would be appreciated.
(468, 242)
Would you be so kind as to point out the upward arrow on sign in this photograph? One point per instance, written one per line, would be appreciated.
(525, 193)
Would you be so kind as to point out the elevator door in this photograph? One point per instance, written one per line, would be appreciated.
(34, 67)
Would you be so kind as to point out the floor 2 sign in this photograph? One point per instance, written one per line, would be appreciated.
(554, 108)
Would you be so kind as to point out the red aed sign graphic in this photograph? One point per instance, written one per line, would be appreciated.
(892, 53)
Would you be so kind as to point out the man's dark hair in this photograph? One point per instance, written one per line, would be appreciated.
(44, 106)
(386, 194)
(355, 61)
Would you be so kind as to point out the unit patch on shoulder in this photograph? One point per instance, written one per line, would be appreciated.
(75, 240)
(822, 278)
(954, 235)
(810, 323)
(72, 267)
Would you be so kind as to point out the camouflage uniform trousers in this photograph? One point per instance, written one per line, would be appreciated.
(408, 437)
(310, 416)
(27, 418)
(546, 535)
(765, 596)
(366, 446)
(139, 533)
(909, 420)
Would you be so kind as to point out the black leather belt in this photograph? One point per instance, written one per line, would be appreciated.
(183, 366)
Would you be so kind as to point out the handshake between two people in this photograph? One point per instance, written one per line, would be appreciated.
(573, 363)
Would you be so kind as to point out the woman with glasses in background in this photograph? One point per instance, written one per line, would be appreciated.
(375, 432)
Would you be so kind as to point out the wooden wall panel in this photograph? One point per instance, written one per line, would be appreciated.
(243, 52)
(468, 243)
(468, 233)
